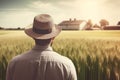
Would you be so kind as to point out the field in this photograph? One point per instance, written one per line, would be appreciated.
(95, 54)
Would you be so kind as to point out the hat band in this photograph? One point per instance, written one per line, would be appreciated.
(38, 31)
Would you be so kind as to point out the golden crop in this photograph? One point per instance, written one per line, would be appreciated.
(95, 54)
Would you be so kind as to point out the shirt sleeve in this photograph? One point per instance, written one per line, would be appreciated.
(72, 75)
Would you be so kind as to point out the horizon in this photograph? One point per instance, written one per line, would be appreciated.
(20, 13)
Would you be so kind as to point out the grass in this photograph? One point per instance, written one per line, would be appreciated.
(95, 54)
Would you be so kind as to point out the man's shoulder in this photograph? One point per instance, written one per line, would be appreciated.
(61, 59)
(19, 57)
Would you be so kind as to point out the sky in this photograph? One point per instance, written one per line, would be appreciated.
(20, 13)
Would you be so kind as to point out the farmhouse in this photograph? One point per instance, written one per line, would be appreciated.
(116, 27)
(71, 24)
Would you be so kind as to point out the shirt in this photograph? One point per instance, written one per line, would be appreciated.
(41, 63)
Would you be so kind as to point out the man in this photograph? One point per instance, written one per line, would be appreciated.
(41, 63)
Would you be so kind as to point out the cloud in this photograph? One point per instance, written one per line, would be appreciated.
(21, 12)
(115, 3)
(58, 12)
(24, 3)
(8, 4)
(15, 12)
(17, 19)
(55, 1)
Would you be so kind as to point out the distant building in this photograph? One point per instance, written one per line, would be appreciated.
(116, 27)
(71, 24)
(96, 27)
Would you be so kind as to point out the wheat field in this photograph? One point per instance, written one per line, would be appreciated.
(95, 54)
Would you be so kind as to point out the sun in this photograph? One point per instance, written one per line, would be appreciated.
(90, 10)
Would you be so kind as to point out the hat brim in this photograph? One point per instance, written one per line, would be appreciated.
(55, 31)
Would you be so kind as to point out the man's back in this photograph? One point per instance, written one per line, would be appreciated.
(41, 63)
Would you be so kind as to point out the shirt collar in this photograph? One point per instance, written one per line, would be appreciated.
(46, 47)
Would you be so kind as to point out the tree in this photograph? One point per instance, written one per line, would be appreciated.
(103, 23)
(18, 28)
(89, 25)
(118, 23)
(1, 28)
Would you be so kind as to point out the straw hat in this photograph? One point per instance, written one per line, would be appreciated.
(43, 27)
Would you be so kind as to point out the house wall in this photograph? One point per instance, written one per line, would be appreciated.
(70, 27)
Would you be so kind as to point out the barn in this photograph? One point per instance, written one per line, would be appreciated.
(116, 27)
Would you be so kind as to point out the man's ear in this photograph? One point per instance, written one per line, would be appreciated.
(52, 39)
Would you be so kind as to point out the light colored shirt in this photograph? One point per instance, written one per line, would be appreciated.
(41, 63)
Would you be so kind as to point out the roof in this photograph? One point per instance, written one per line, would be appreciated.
(70, 22)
